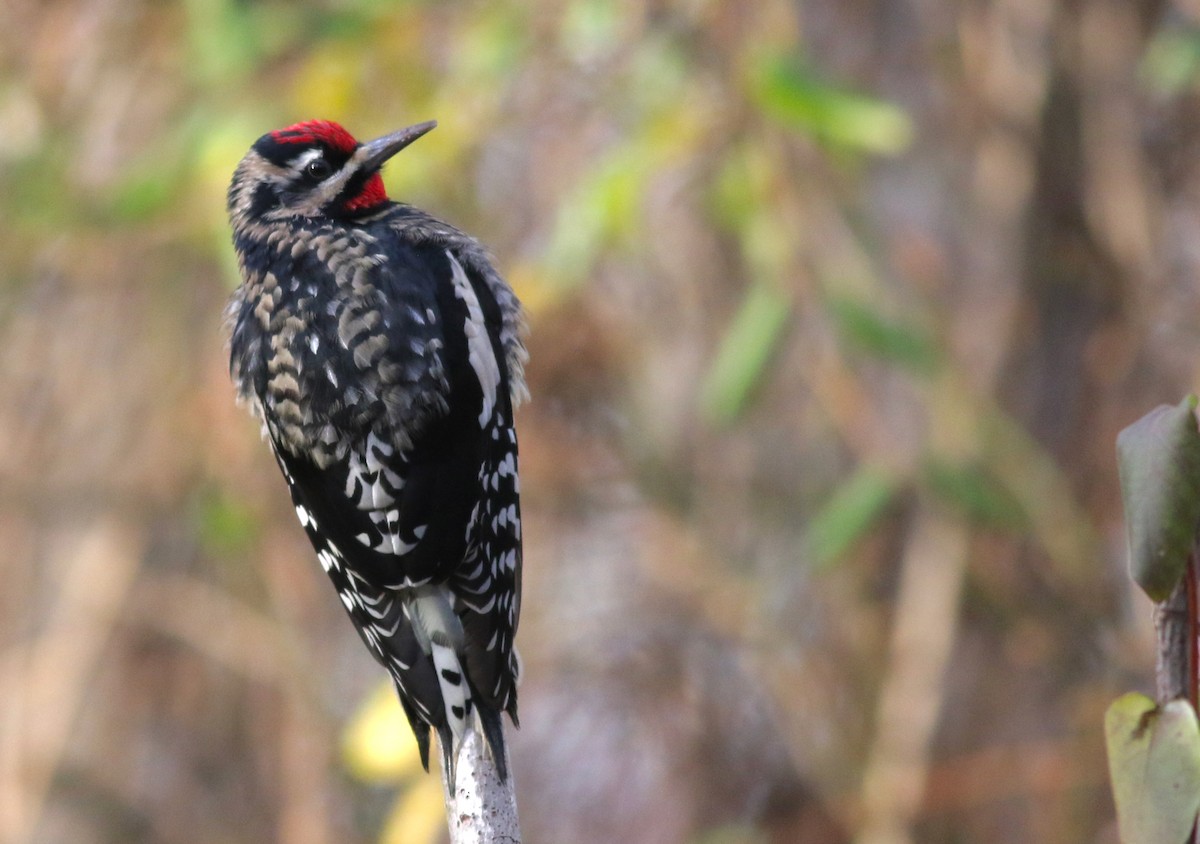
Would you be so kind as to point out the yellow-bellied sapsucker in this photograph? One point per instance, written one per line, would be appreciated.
(383, 354)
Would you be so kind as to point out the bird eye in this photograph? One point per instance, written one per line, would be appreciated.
(318, 169)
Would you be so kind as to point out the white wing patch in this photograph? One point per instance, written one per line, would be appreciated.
(479, 344)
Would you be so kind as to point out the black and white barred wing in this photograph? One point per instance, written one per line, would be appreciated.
(488, 586)
(366, 550)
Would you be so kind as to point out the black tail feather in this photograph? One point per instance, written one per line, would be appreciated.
(420, 732)
(493, 731)
(449, 755)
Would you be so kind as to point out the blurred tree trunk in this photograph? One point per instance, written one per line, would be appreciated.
(1088, 223)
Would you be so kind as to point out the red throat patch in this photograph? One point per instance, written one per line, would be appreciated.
(371, 195)
(317, 131)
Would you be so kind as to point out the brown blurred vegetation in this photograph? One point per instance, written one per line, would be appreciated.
(836, 311)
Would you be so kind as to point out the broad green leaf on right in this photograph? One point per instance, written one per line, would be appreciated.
(1158, 458)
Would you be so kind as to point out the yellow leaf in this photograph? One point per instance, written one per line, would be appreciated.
(419, 815)
(1154, 764)
(324, 85)
(219, 150)
(378, 744)
(532, 287)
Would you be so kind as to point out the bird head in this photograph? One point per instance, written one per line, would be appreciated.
(313, 169)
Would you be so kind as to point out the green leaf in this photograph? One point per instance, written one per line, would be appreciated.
(979, 496)
(591, 28)
(794, 96)
(894, 342)
(849, 514)
(732, 834)
(742, 359)
(227, 524)
(493, 42)
(224, 43)
(1154, 764)
(598, 211)
(1172, 62)
(149, 190)
(1158, 458)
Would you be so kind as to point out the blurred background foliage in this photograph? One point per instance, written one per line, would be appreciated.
(836, 311)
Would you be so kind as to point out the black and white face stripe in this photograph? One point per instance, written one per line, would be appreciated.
(310, 163)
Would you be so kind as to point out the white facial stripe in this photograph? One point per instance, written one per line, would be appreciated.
(306, 158)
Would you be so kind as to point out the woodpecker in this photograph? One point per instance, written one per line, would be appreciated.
(383, 354)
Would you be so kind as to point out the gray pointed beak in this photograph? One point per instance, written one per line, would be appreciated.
(374, 153)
